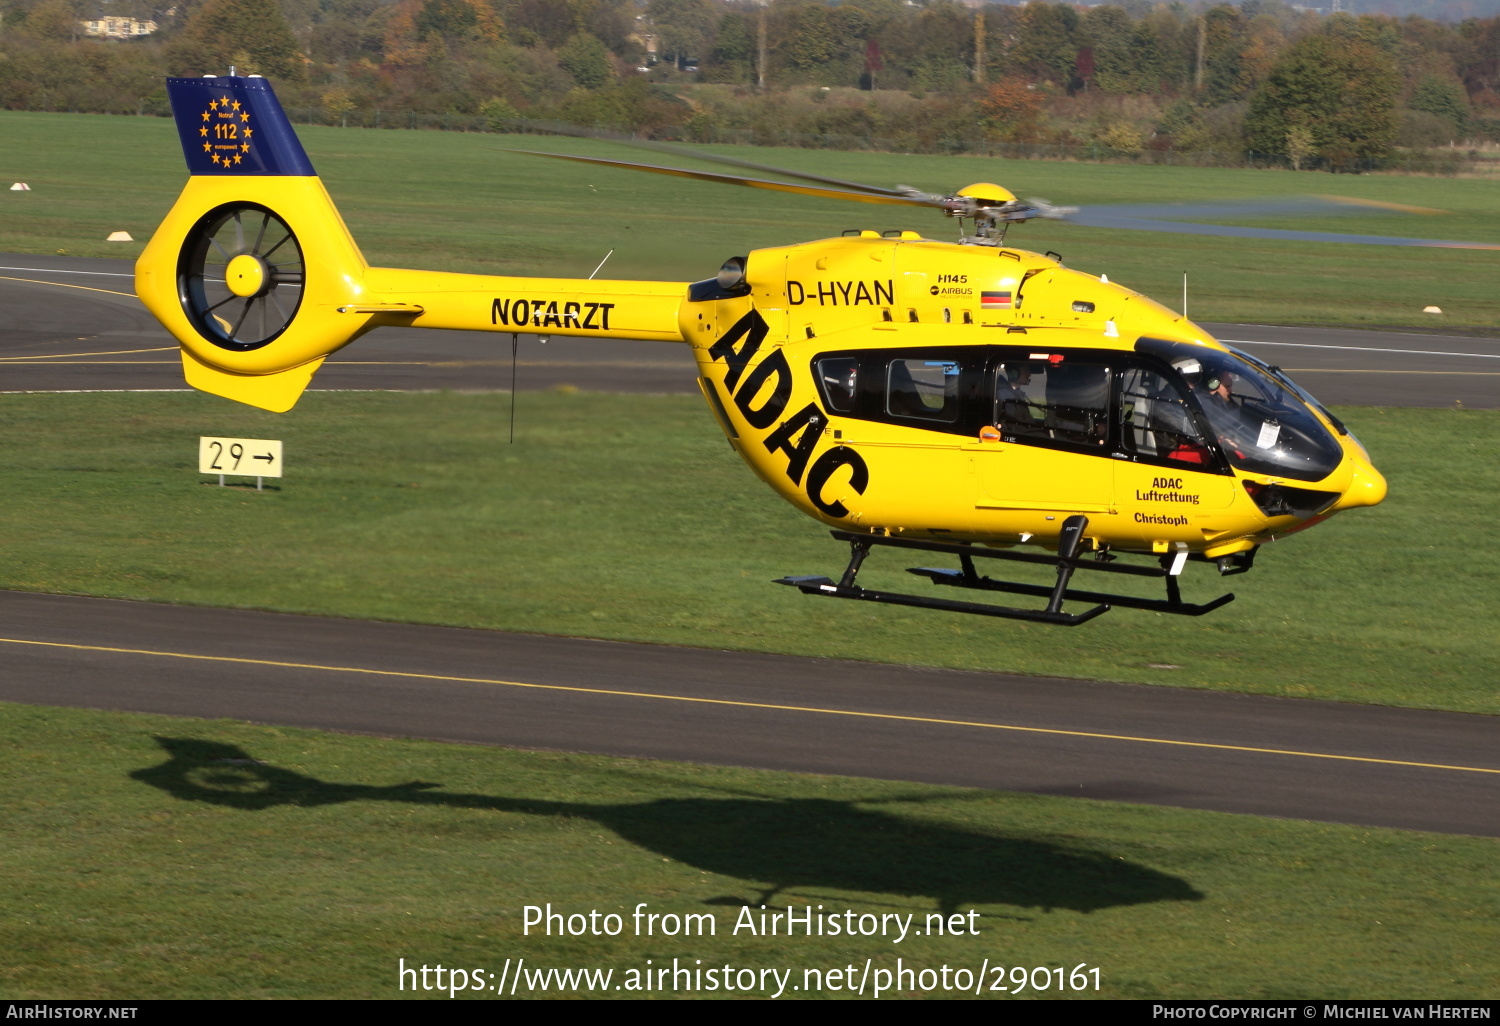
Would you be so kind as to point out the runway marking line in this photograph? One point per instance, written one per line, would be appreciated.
(99, 363)
(1360, 349)
(65, 285)
(744, 705)
(1358, 370)
(58, 270)
(111, 352)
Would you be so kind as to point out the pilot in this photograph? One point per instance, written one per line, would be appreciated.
(1220, 387)
(1226, 411)
(1012, 407)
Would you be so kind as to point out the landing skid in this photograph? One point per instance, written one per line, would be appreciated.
(1066, 562)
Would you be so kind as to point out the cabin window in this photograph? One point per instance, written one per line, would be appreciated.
(838, 377)
(922, 389)
(1041, 401)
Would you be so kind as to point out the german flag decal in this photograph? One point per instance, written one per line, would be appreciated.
(994, 300)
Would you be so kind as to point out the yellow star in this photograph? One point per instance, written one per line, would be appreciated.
(244, 117)
(249, 132)
(236, 158)
(244, 148)
(208, 147)
(212, 105)
(203, 131)
(205, 115)
(236, 104)
(225, 101)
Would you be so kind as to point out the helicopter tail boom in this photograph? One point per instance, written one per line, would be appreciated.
(255, 273)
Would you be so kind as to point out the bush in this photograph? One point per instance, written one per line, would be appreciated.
(498, 114)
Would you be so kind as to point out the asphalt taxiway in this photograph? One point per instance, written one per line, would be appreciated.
(1357, 764)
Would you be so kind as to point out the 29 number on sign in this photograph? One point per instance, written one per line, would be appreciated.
(239, 457)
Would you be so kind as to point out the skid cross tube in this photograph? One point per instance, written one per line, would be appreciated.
(1172, 604)
(1066, 561)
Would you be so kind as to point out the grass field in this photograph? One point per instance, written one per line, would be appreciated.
(628, 517)
(153, 857)
(454, 201)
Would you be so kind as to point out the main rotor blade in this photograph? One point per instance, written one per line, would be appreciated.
(561, 128)
(894, 199)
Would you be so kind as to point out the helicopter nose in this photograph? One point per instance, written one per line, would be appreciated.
(1366, 488)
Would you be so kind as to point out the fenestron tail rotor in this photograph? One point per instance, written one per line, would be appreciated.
(241, 276)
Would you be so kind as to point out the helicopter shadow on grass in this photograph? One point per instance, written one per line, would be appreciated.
(776, 844)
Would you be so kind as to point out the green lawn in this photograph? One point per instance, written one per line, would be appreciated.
(454, 201)
(154, 857)
(628, 517)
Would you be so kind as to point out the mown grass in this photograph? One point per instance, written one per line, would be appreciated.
(454, 201)
(628, 517)
(155, 857)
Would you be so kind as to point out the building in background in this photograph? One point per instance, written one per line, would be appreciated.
(108, 26)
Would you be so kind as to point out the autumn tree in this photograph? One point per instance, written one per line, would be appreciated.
(549, 23)
(52, 19)
(1110, 37)
(1048, 44)
(684, 28)
(1223, 40)
(1013, 109)
(1342, 91)
(1443, 97)
(418, 31)
(942, 46)
(249, 34)
(587, 60)
(733, 56)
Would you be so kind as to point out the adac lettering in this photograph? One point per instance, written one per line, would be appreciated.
(797, 436)
(1166, 489)
(841, 293)
(519, 313)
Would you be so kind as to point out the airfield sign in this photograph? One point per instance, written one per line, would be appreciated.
(239, 457)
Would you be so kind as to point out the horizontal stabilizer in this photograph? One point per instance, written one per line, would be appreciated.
(276, 392)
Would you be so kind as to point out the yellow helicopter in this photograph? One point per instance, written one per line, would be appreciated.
(958, 398)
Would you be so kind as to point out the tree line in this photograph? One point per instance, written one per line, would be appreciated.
(1133, 78)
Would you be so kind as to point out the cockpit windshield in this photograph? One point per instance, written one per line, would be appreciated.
(1280, 375)
(1261, 424)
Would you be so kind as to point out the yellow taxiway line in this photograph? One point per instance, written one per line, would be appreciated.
(745, 705)
(64, 285)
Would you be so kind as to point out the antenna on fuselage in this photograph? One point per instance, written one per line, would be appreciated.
(515, 345)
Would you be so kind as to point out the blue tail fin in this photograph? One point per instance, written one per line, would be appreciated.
(235, 126)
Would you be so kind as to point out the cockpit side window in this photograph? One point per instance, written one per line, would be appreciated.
(1157, 421)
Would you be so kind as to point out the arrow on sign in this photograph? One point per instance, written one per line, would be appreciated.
(267, 457)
